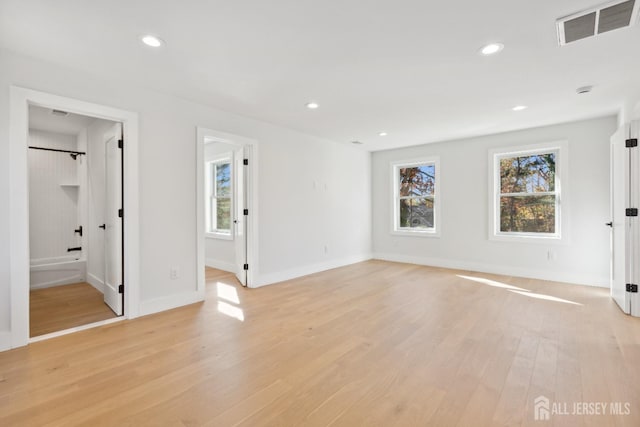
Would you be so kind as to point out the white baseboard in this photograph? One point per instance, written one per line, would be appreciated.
(555, 276)
(53, 283)
(281, 276)
(220, 265)
(5, 340)
(95, 282)
(157, 305)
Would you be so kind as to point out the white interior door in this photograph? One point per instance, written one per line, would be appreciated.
(634, 222)
(619, 201)
(240, 219)
(113, 222)
(625, 232)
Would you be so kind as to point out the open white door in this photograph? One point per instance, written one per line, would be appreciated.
(113, 221)
(625, 235)
(241, 213)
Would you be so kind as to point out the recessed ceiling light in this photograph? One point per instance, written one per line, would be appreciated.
(584, 89)
(519, 108)
(312, 105)
(357, 142)
(492, 48)
(383, 134)
(152, 41)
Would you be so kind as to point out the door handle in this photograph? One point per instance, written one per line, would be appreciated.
(610, 224)
(103, 226)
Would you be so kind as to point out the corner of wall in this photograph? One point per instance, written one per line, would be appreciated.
(5, 340)
(293, 273)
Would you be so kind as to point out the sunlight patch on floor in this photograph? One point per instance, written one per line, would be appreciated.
(227, 292)
(544, 297)
(491, 283)
(517, 290)
(231, 311)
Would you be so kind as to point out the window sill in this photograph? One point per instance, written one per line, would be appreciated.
(416, 233)
(220, 236)
(529, 239)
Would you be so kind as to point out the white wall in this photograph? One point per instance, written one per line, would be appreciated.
(53, 214)
(219, 253)
(295, 221)
(464, 196)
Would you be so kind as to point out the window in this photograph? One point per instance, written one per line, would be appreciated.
(219, 203)
(526, 192)
(415, 197)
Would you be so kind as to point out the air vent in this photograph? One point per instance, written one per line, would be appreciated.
(600, 19)
(59, 113)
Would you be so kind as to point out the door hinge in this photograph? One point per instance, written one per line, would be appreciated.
(121, 289)
(246, 211)
(631, 212)
(629, 143)
(632, 288)
(120, 143)
(246, 266)
(120, 213)
(245, 162)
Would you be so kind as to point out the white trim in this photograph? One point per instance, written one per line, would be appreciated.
(437, 198)
(205, 135)
(562, 234)
(281, 276)
(95, 282)
(219, 235)
(221, 265)
(76, 329)
(577, 278)
(168, 302)
(20, 99)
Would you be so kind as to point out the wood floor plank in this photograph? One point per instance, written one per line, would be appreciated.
(64, 307)
(372, 344)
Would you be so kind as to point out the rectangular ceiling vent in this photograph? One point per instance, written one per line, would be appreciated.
(59, 113)
(600, 19)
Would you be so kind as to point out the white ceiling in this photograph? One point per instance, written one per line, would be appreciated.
(407, 67)
(41, 119)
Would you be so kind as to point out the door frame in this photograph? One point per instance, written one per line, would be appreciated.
(20, 100)
(204, 135)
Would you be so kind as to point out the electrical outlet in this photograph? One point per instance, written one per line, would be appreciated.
(174, 273)
(326, 249)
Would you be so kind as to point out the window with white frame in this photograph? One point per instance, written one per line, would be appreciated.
(415, 197)
(219, 197)
(527, 191)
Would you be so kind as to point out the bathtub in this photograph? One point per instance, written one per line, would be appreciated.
(48, 272)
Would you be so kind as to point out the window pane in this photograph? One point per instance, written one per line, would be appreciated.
(528, 174)
(418, 181)
(416, 213)
(223, 214)
(223, 180)
(528, 214)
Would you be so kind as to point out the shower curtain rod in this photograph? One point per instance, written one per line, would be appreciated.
(77, 153)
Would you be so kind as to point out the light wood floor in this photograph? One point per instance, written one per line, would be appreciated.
(372, 344)
(63, 307)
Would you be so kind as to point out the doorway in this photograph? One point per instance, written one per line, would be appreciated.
(226, 208)
(61, 252)
(75, 240)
